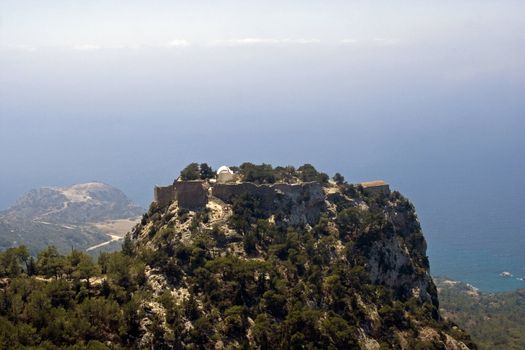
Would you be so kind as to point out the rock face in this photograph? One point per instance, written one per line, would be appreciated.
(301, 203)
(65, 216)
(292, 265)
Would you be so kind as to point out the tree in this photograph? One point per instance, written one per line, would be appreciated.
(11, 261)
(309, 173)
(350, 220)
(339, 179)
(263, 173)
(31, 267)
(190, 172)
(191, 308)
(85, 268)
(127, 246)
(50, 262)
(206, 172)
(250, 242)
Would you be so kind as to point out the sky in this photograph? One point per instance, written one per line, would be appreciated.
(128, 92)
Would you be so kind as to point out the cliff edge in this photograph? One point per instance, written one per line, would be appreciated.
(280, 258)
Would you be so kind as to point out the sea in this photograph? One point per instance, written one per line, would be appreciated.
(479, 239)
(474, 228)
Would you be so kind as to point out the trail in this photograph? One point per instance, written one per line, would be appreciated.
(114, 238)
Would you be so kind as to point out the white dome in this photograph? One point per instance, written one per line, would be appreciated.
(224, 169)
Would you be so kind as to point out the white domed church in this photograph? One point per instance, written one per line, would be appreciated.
(225, 174)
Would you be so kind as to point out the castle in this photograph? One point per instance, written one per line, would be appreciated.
(192, 194)
(308, 197)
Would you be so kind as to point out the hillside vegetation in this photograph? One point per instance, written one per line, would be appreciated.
(495, 320)
(239, 275)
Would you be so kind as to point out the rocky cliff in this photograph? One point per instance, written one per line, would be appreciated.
(302, 264)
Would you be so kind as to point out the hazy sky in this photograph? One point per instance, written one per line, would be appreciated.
(127, 92)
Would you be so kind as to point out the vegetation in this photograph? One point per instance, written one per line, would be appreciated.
(194, 171)
(69, 301)
(246, 278)
(265, 173)
(261, 174)
(254, 281)
(494, 320)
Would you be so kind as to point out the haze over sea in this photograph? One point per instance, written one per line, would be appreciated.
(432, 101)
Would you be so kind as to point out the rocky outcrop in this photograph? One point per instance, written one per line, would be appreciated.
(301, 203)
(296, 260)
(390, 264)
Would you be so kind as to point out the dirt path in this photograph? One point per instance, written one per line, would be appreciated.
(114, 238)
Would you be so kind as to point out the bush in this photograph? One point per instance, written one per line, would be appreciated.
(190, 172)
(308, 173)
(263, 173)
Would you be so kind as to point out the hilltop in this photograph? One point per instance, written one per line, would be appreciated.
(249, 257)
(77, 216)
(265, 257)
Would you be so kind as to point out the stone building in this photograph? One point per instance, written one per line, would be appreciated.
(191, 195)
(375, 187)
(225, 175)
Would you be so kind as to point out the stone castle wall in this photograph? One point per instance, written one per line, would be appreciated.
(191, 195)
(227, 192)
(374, 190)
(302, 203)
(163, 195)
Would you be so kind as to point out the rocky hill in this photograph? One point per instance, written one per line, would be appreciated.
(283, 258)
(78, 216)
(254, 258)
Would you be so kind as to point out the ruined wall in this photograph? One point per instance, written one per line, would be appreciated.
(301, 203)
(381, 189)
(163, 195)
(227, 192)
(191, 195)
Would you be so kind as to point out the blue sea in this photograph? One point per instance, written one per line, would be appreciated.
(476, 237)
(474, 226)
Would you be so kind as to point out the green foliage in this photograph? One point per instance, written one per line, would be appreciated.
(307, 172)
(247, 209)
(13, 260)
(127, 246)
(206, 172)
(338, 179)
(494, 320)
(63, 308)
(263, 173)
(50, 262)
(351, 221)
(247, 280)
(190, 172)
(195, 171)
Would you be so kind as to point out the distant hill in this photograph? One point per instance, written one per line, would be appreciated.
(494, 320)
(78, 216)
